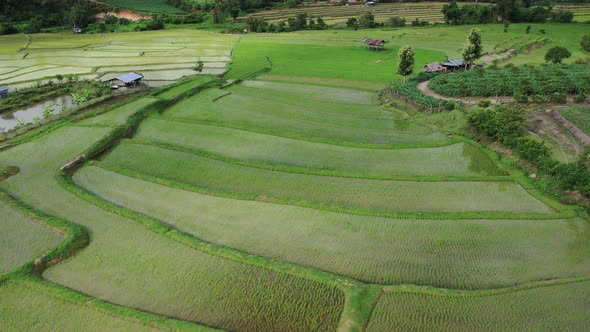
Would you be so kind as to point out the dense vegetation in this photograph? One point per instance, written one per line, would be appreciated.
(547, 81)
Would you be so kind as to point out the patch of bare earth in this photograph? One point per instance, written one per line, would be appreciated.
(469, 101)
(123, 13)
(543, 124)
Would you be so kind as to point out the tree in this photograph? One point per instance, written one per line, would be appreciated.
(473, 47)
(367, 20)
(405, 66)
(585, 43)
(352, 22)
(199, 67)
(452, 13)
(557, 54)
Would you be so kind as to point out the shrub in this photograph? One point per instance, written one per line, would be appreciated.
(7, 29)
(419, 23)
(367, 20)
(535, 152)
(585, 43)
(521, 98)
(557, 54)
(538, 99)
(558, 97)
(352, 22)
(563, 16)
(397, 21)
(484, 103)
(581, 98)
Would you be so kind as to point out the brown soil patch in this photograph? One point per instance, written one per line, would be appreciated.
(469, 101)
(124, 13)
(544, 125)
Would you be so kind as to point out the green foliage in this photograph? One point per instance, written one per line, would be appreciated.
(557, 54)
(502, 123)
(534, 151)
(563, 16)
(510, 80)
(585, 43)
(397, 21)
(409, 92)
(473, 48)
(367, 20)
(405, 65)
(484, 103)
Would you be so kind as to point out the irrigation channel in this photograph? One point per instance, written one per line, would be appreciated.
(10, 120)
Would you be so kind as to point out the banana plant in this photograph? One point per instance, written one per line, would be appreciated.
(48, 111)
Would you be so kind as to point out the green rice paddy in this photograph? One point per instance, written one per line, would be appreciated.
(290, 201)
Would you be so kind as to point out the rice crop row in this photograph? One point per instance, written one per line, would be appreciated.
(527, 80)
(464, 254)
(162, 55)
(545, 308)
(460, 159)
(122, 114)
(129, 265)
(283, 119)
(22, 240)
(151, 6)
(363, 194)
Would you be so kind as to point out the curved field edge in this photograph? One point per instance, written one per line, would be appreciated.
(460, 254)
(556, 304)
(28, 275)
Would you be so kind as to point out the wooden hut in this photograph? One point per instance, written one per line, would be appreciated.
(434, 67)
(3, 92)
(374, 44)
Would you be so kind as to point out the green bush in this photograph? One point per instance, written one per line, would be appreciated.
(484, 103)
(538, 98)
(581, 98)
(521, 98)
(558, 97)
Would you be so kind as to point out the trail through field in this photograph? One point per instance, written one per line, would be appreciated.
(469, 101)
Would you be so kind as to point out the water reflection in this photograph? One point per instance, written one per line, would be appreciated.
(10, 120)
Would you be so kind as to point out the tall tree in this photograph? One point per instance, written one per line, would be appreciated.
(405, 66)
(473, 48)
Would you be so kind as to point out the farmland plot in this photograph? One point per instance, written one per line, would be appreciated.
(466, 254)
(355, 194)
(244, 147)
(163, 55)
(129, 265)
(543, 308)
(21, 240)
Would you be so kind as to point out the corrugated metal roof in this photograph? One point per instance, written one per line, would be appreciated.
(3, 88)
(372, 41)
(454, 63)
(128, 78)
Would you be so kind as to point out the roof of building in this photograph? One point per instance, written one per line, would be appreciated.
(128, 78)
(3, 88)
(372, 41)
(454, 63)
(434, 67)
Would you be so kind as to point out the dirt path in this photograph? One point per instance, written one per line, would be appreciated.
(469, 101)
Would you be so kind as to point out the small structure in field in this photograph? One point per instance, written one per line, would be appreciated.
(458, 64)
(130, 80)
(434, 67)
(77, 30)
(374, 44)
(3, 92)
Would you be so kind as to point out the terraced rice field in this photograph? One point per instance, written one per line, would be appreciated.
(543, 308)
(337, 15)
(150, 6)
(288, 206)
(21, 240)
(163, 56)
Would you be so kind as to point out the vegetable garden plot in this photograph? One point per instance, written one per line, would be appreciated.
(465, 254)
(527, 80)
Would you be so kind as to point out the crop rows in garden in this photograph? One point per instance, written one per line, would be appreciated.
(508, 81)
(543, 308)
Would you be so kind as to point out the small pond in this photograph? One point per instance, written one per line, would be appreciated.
(9, 120)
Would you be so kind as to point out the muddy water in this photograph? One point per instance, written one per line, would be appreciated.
(9, 120)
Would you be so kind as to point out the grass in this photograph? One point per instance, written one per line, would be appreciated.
(21, 240)
(187, 284)
(447, 253)
(122, 114)
(266, 151)
(544, 308)
(578, 115)
(150, 6)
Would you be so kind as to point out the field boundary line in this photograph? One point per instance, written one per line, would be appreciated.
(278, 167)
(422, 215)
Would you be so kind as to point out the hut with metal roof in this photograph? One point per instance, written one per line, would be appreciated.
(132, 79)
(374, 44)
(3, 92)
